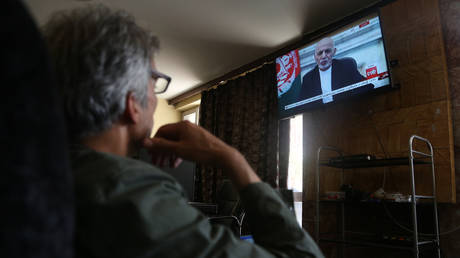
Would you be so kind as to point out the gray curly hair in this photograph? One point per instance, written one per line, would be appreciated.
(99, 56)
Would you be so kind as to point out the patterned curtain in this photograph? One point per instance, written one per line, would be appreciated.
(243, 113)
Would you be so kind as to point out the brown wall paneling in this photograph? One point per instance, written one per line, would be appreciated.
(449, 213)
(413, 36)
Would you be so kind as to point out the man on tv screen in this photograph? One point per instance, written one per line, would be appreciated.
(330, 74)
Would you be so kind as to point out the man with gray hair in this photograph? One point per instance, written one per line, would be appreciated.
(128, 208)
(330, 74)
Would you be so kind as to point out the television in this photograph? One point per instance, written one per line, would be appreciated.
(346, 62)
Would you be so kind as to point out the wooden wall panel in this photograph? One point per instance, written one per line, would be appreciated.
(382, 124)
(449, 213)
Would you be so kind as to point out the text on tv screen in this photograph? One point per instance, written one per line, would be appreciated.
(347, 62)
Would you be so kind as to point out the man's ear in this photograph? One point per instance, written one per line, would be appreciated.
(335, 50)
(132, 109)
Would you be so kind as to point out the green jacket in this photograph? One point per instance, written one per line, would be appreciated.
(128, 208)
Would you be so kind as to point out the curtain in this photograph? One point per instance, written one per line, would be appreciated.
(243, 113)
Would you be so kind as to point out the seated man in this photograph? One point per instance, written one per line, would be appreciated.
(128, 208)
(331, 74)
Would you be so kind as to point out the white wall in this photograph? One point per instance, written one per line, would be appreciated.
(165, 114)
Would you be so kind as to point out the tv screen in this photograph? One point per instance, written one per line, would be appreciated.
(347, 62)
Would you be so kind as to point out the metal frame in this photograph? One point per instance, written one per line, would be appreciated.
(412, 160)
(415, 197)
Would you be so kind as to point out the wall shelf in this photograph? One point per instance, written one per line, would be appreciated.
(403, 161)
(400, 245)
(416, 157)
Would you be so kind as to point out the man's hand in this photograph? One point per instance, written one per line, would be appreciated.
(189, 141)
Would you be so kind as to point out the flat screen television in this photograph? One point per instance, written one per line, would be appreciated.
(347, 62)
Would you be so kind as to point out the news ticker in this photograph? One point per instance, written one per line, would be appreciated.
(332, 93)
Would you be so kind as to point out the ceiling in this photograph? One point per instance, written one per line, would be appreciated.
(202, 40)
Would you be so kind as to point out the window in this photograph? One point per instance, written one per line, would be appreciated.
(191, 115)
(295, 169)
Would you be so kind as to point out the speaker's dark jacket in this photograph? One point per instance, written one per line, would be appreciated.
(344, 73)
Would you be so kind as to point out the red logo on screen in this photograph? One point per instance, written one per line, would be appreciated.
(371, 72)
(363, 24)
(383, 75)
(287, 69)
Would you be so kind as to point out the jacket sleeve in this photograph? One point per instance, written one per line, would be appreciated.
(273, 225)
(352, 70)
(145, 215)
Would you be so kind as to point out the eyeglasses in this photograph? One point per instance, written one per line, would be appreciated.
(161, 81)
